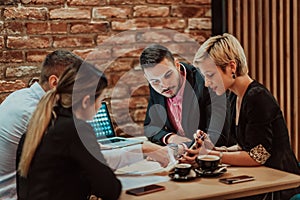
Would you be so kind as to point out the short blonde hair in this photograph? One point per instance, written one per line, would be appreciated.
(222, 49)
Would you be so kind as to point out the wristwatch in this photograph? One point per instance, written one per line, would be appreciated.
(174, 147)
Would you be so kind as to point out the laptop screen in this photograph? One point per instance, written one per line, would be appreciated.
(102, 123)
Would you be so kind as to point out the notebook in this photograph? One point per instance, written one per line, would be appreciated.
(105, 133)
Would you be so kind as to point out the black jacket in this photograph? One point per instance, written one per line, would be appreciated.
(198, 104)
(68, 164)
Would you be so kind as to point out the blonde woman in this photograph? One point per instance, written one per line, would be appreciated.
(55, 163)
(257, 122)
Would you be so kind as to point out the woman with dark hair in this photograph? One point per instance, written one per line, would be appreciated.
(55, 162)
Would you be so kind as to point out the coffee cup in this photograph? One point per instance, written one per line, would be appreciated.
(208, 162)
(182, 169)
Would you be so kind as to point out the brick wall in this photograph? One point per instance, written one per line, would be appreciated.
(109, 33)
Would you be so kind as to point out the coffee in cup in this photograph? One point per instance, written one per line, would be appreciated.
(183, 169)
(208, 162)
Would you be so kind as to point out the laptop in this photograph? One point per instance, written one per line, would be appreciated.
(105, 133)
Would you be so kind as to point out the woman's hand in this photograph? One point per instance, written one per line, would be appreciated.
(191, 154)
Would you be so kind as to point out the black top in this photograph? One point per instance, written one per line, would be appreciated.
(262, 131)
(197, 106)
(66, 165)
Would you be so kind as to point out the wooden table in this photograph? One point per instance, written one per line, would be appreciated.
(266, 180)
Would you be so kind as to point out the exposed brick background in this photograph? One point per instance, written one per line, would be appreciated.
(30, 29)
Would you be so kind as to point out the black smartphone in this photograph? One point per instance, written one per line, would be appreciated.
(236, 179)
(145, 189)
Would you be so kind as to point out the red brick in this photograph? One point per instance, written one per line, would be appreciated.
(120, 91)
(37, 28)
(185, 50)
(151, 11)
(43, 2)
(46, 28)
(28, 42)
(189, 11)
(200, 36)
(36, 56)
(165, 1)
(9, 2)
(138, 102)
(170, 23)
(99, 27)
(114, 78)
(13, 28)
(21, 71)
(58, 27)
(133, 79)
(70, 13)
(139, 115)
(29, 13)
(111, 12)
(122, 25)
(126, 37)
(199, 23)
(127, 51)
(181, 37)
(126, 2)
(121, 64)
(198, 1)
(142, 90)
(101, 38)
(119, 106)
(1, 42)
(83, 53)
(155, 37)
(99, 54)
(85, 2)
(2, 28)
(10, 86)
(11, 56)
(77, 41)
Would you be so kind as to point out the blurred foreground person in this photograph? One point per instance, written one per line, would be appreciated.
(61, 158)
(16, 111)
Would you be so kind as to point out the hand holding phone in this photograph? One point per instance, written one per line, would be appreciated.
(236, 179)
(195, 145)
(145, 189)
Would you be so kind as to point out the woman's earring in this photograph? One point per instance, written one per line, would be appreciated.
(233, 75)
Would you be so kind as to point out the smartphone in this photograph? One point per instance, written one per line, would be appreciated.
(236, 179)
(145, 189)
(194, 145)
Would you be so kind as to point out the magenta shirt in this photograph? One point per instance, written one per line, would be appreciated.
(174, 109)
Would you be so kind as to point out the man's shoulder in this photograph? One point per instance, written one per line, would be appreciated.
(21, 100)
(188, 66)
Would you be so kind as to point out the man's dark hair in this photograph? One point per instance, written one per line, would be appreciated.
(56, 62)
(154, 54)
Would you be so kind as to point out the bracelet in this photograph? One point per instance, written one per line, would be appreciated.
(174, 147)
(167, 137)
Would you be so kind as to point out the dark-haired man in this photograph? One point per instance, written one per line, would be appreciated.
(179, 102)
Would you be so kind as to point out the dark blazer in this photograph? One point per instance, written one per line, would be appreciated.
(68, 164)
(198, 104)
